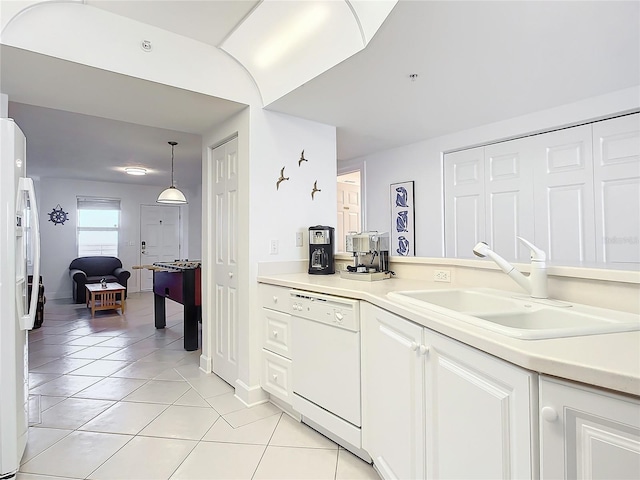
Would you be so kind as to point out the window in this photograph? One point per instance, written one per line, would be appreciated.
(98, 226)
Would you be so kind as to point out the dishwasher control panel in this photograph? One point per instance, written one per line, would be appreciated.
(337, 311)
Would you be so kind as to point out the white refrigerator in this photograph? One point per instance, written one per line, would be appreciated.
(19, 256)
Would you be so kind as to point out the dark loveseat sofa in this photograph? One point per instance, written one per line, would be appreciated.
(85, 270)
(41, 301)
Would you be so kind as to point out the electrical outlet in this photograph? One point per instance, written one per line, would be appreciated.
(299, 239)
(273, 247)
(340, 266)
(442, 276)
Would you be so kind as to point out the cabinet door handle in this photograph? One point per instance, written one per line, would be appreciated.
(417, 347)
(549, 414)
(275, 299)
(275, 377)
(275, 333)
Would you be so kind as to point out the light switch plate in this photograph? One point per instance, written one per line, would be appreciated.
(299, 239)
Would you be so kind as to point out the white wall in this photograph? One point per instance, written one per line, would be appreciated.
(58, 242)
(194, 226)
(277, 140)
(267, 141)
(422, 162)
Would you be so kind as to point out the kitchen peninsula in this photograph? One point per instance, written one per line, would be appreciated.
(430, 368)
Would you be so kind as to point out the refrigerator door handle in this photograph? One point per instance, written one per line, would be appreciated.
(25, 185)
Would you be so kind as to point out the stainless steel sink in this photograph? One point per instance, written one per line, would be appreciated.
(518, 316)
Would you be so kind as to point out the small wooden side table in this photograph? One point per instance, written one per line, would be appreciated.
(99, 298)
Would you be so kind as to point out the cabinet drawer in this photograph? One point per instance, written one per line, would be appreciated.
(277, 332)
(276, 376)
(274, 297)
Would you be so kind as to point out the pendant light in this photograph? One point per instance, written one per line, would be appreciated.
(172, 194)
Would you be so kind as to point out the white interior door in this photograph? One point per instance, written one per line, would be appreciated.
(617, 189)
(225, 357)
(464, 201)
(563, 194)
(159, 238)
(508, 191)
(348, 212)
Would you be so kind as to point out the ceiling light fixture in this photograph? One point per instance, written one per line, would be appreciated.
(135, 170)
(172, 194)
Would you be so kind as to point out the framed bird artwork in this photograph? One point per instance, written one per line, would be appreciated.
(402, 219)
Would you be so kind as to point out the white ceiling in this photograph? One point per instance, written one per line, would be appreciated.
(477, 62)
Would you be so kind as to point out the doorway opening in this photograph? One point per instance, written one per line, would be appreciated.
(349, 215)
(159, 239)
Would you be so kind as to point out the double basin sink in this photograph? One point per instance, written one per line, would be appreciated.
(519, 316)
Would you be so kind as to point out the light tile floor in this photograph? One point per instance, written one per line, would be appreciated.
(114, 398)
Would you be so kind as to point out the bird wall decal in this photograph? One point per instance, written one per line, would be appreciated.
(281, 179)
(315, 189)
(302, 159)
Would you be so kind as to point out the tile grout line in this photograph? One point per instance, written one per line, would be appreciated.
(267, 446)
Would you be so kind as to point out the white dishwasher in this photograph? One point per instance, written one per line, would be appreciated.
(325, 337)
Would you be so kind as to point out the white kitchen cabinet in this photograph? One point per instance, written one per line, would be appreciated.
(479, 421)
(392, 393)
(435, 408)
(276, 370)
(587, 433)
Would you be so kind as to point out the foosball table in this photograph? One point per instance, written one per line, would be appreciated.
(178, 281)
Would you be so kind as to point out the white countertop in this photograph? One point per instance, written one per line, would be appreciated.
(610, 361)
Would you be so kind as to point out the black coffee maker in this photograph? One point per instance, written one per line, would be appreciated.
(321, 250)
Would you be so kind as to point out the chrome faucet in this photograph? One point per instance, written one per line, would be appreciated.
(536, 283)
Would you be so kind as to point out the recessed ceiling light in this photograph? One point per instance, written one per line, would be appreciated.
(136, 170)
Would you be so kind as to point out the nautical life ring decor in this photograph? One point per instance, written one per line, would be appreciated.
(58, 216)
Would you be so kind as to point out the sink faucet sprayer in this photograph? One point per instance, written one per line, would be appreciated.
(536, 282)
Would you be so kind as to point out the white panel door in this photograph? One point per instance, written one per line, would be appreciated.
(225, 358)
(478, 422)
(464, 201)
(509, 198)
(617, 189)
(564, 205)
(348, 212)
(587, 433)
(159, 239)
(392, 394)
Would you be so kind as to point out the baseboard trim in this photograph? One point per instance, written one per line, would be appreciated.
(250, 396)
(206, 364)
